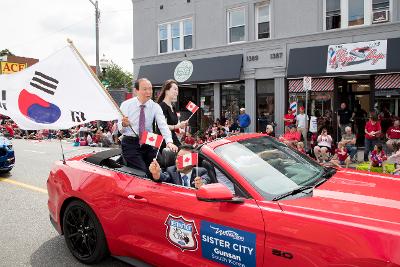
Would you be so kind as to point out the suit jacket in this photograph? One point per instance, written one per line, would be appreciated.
(171, 175)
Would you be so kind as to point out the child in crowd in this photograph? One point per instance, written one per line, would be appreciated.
(341, 156)
(300, 147)
(378, 157)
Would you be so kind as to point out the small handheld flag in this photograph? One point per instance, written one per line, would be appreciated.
(192, 107)
(151, 139)
(188, 159)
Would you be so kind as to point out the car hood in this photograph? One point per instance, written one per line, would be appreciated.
(355, 195)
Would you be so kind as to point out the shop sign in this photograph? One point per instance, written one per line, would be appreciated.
(361, 56)
(9, 67)
(183, 71)
(307, 83)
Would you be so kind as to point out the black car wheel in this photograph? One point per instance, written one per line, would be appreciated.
(83, 233)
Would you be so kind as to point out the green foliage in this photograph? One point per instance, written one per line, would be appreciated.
(117, 78)
(6, 52)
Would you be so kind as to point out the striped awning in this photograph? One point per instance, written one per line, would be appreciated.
(387, 81)
(317, 85)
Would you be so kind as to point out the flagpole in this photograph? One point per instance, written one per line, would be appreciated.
(158, 150)
(190, 116)
(62, 151)
(97, 79)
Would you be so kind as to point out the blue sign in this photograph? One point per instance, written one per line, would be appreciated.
(226, 245)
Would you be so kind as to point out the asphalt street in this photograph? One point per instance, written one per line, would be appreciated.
(27, 237)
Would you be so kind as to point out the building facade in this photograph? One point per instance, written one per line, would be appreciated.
(229, 54)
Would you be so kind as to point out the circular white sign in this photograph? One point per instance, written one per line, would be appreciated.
(183, 71)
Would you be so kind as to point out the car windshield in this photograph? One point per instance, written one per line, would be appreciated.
(271, 167)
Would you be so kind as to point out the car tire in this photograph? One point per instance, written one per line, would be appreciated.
(83, 233)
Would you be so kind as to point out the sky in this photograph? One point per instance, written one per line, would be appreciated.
(38, 28)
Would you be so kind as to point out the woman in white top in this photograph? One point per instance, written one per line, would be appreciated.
(324, 144)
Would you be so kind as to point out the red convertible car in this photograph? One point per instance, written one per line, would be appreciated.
(267, 205)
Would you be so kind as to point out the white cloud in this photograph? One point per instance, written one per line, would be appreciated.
(39, 28)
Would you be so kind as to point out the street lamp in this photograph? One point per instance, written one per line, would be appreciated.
(104, 64)
(97, 18)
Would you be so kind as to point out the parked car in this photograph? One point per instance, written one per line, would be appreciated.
(268, 205)
(7, 156)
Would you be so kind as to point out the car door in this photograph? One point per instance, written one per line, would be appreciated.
(169, 226)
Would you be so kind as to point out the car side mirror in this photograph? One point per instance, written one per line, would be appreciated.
(216, 193)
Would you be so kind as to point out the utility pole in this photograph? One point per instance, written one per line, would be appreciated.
(97, 18)
(133, 41)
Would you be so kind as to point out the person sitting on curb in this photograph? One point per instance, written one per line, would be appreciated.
(393, 136)
(377, 158)
(189, 176)
(341, 156)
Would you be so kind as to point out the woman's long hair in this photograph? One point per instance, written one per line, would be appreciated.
(166, 86)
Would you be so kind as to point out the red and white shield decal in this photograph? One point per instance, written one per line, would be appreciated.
(181, 233)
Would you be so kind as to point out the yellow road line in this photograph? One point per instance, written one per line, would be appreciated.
(31, 187)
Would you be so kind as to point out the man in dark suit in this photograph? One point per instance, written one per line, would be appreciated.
(189, 176)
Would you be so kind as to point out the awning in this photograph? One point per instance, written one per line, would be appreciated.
(317, 85)
(215, 69)
(387, 81)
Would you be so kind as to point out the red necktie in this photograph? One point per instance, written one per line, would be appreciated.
(142, 121)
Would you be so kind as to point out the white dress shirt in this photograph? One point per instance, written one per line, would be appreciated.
(131, 109)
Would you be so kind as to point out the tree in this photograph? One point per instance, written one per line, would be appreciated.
(117, 78)
(6, 52)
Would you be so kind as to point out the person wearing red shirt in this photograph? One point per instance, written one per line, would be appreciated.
(10, 130)
(189, 140)
(341, 156)
(289, 119)
(372, 132)
(291, 137)
(393, 135)
(378, 157)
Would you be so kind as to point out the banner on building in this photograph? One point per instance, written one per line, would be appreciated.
(10, 67)
(361, 56)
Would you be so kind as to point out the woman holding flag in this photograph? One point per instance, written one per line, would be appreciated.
(168, 95)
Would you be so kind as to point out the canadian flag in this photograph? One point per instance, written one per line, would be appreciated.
(192, 107)
(151, 139)
(188, 159)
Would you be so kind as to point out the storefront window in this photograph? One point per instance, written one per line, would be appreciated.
(320, 104)
(188, 93)
(232, 99)
(265, 104)
(206, 105)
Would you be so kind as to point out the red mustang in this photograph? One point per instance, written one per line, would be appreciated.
(267, 205)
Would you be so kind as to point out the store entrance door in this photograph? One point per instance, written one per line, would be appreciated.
(356, 93)
(186, 94)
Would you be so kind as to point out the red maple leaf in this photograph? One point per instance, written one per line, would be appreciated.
(187, 159)
(151, 139)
